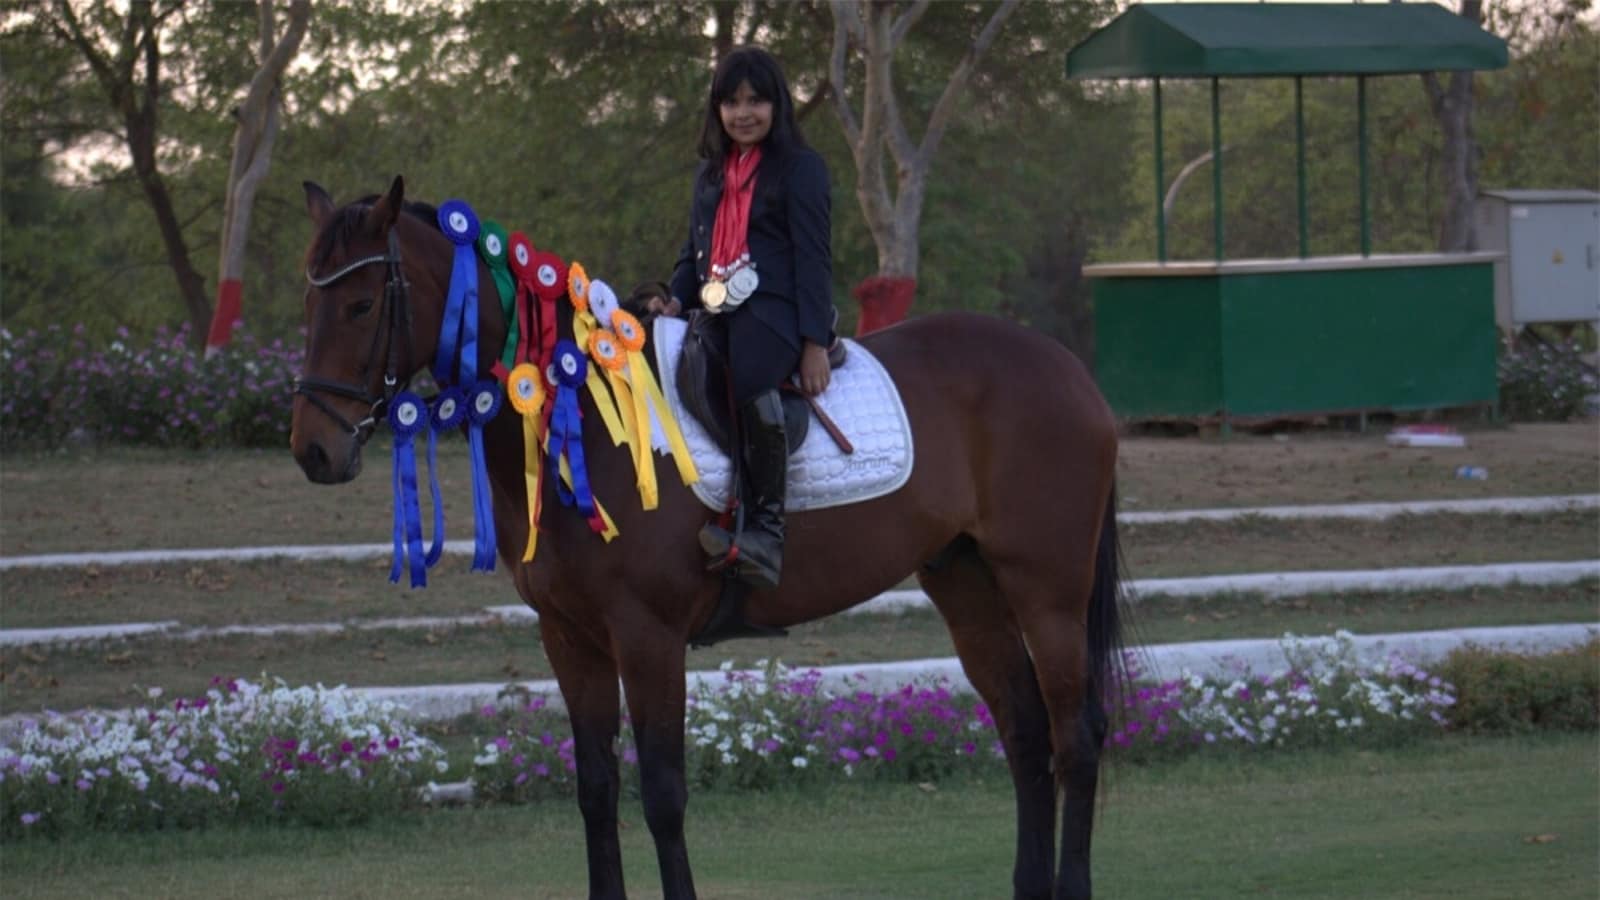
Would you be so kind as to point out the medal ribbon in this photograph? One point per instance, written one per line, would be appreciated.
(730, 232)
(407, 416)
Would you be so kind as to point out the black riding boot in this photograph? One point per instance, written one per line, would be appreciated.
(759, 557)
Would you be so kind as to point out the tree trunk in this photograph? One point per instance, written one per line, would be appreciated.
(879, 133)
(259, 117)
(1452, 107)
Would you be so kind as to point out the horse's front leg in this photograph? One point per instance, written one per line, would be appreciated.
(653, 678)
(588, 679)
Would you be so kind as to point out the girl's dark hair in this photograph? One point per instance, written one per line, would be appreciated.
(757, 66)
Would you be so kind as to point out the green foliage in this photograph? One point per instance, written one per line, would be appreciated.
(1541, 381)
(576, 122)
(1507, 693)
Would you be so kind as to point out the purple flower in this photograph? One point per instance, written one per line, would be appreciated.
(28, 818)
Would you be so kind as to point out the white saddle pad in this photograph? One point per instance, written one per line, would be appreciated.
(861, 399)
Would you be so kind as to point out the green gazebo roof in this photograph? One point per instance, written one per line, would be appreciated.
(1202, 40)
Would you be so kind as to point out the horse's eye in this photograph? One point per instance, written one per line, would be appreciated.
(358, 309)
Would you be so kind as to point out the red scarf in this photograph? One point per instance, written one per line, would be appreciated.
(731, 232)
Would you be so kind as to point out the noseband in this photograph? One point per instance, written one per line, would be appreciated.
(396, 313)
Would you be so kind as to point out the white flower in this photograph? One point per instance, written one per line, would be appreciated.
(799, 762)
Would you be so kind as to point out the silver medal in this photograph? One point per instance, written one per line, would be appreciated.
(742, 284)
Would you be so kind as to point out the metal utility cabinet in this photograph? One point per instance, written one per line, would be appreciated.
(1550, 242)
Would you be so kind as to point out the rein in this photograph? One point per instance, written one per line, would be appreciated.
(396, 312)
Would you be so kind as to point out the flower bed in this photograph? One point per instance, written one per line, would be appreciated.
(163, 393)
(242, 751)
(328, 756)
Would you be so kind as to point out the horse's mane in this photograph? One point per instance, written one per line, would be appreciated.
(346, 224)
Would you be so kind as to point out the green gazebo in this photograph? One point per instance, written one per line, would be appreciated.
(1224, 340)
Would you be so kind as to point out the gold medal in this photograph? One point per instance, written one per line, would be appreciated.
(713, 295)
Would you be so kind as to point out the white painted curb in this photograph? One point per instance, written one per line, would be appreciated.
(1206, 658)
(1271, 584)
(1372, 511)
(1369, 511)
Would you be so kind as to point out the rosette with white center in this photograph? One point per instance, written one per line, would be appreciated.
(578, 286)
(549, 275)
(569, 364)
(605, 351)
(602, 301)
(630, 334)
(524, 389)
(449, 409)
(407, 414)
(458, 221)
(484, 401)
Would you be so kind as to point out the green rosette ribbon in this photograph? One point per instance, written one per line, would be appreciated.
(492, 246)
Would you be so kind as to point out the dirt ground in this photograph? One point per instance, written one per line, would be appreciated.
(1314, 467)
(125, 500)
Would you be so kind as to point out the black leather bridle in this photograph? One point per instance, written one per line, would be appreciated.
(396, 313)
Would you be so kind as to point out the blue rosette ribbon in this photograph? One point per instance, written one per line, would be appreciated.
(566, 428)
(408, 415)
(447, 412)
(458, 332)
(482, 405)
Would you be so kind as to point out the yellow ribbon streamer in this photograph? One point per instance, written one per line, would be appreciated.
(645, 394)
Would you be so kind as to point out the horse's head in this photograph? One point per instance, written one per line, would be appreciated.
(364, 323)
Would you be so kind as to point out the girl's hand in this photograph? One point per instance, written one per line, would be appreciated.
(814, 369)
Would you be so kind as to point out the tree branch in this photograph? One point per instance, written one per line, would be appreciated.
(836, 76)
(903, 25)
(946, 107)
(275, 59)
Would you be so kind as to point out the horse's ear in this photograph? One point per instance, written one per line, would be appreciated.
(383, 214)
(318, 203)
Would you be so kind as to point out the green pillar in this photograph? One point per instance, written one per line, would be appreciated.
(1216, 166)
(1300, 164)
(1161, 183)
(1361, 150)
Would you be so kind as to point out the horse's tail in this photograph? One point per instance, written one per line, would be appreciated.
(1108, 668)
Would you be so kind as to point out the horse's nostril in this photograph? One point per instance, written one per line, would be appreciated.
(316, 459)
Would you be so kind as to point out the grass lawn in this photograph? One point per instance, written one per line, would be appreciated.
(1458, 818)
(113, 673)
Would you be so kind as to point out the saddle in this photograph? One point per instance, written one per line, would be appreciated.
(702, 383)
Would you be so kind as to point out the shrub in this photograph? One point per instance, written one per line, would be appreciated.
(162, 393)
(316, 756)
(1507, 693)
(1543, 382)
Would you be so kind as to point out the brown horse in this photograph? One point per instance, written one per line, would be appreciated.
(1007, 520)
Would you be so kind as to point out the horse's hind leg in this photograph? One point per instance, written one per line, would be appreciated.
(1050, 602)
(996, 662)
